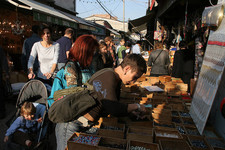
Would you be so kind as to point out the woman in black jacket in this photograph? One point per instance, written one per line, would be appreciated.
(99, 59)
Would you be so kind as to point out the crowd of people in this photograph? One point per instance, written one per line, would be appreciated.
(65, 64)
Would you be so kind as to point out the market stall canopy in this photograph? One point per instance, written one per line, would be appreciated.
(113, 31)
(83, 24)
(45, 13)
(140, 24)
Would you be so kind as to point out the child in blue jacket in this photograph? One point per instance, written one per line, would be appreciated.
(25, 126)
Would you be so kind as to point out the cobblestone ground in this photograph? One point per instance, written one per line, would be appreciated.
(10, 104)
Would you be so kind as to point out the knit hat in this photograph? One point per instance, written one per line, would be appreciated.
(222, 107)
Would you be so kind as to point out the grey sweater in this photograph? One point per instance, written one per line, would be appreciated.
(159, 61)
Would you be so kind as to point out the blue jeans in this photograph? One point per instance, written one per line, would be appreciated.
(64, 131)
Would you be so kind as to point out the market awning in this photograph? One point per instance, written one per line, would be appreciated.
(45, 13)
(140, 24)
(83, 24)
(113, 31)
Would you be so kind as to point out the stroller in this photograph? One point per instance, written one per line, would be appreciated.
(33, 91)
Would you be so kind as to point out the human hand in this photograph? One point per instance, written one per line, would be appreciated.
(31, 75)
(6, 138)
(48, 75)
(39, 120)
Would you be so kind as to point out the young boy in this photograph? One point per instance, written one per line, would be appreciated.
(24, 126)
(107, 86)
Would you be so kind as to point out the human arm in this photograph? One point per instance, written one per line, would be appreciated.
(31, 60)
(15, 125)
(23, 56)
(118, 109)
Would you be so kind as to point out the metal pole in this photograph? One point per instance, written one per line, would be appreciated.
(124, 15)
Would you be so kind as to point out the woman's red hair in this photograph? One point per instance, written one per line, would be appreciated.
(83, 50)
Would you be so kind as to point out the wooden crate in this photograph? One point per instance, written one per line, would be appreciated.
(108, 143)
(216, 143)
(174, 145)
(198, 143)
(109, 130)
(162, 134)
(140, 134)
(165, 78)
(73, 144)
(151, 146)
(146, 124)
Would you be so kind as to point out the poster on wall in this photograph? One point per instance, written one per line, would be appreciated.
(209, 78)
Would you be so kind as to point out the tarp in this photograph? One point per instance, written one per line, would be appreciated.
(46, 13)
(140, 24)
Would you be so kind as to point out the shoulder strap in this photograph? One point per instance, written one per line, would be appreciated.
(157, 57)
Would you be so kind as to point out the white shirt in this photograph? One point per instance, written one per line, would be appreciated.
(136, 49)
(46, 57)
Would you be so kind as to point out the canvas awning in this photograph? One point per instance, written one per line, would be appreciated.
(140, 24)
(83, 24)
(113, 31)
(45, 13)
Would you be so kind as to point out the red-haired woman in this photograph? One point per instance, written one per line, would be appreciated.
(76, 71)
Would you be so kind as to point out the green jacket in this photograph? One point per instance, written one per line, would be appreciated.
(122, 48)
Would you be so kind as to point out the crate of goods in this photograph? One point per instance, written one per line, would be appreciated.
(188, 122)
(137, 145)
(147, 124)
(83, 141)
(174, 145)
(191, 130)
(177, 120)
(164, 79)
(182, 86)
(112, 130)
(108, 143)
(140, 134)
(216, 143)
(154, 80)
(198, 143)
(162, 116)
(163, 125)
(181, 129)
(111, 120)
(178, 106)
(162, 134)
(169, 86)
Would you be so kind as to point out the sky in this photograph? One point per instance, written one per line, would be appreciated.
(133, 8)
